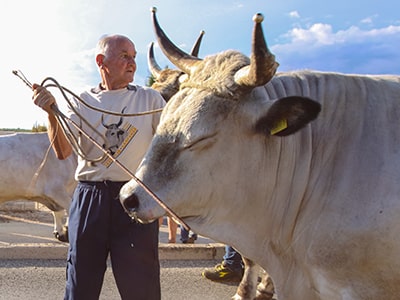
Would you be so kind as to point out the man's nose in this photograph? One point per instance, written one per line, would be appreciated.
(131, 60)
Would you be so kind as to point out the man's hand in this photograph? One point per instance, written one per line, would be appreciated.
(43, 98)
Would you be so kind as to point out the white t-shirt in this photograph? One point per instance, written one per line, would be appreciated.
(127, 138)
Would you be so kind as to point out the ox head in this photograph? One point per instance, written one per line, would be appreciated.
(215, 135)
(114, 134)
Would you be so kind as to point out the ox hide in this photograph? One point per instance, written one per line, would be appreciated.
(27, 175)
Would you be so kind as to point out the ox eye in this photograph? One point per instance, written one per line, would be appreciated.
(201, 143)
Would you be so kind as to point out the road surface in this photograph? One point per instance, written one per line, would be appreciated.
(45, 279)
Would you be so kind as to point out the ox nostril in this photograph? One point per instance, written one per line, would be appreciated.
(131, 203)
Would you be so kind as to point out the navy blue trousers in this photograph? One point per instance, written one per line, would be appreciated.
(98, 227)
(233, 258)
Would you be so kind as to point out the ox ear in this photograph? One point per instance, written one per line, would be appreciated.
(288, 115)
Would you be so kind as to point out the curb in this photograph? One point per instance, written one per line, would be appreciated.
(191, 251)
(166, 251)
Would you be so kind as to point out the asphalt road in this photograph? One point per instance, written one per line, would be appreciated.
(45, 280)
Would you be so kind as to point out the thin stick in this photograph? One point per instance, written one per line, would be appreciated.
(141, 183)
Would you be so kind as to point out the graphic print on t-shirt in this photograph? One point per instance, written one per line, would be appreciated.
(117, 138)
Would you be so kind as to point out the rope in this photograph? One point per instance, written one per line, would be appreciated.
(114, 113)
(63, 120)
(38, 170)
(41, 165)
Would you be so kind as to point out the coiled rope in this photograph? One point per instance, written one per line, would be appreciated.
(65, 122)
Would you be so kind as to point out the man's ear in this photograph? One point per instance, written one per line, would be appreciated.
(99, 60)
(288, 115)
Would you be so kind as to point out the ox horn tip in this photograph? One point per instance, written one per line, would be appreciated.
(258, 18)
(153, 9)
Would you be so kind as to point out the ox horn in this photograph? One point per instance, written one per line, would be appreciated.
(262, 62)
(155, 69)
(196, 47)
(179, 58)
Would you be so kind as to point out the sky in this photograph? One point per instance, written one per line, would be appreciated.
(57, 38)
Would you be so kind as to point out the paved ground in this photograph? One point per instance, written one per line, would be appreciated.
(45, 280)
(28, 248)
(31, 256)
(28, 234)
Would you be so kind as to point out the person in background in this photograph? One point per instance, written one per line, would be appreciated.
(231, 268)
(185, 238)
(172, 228)
(98, 224)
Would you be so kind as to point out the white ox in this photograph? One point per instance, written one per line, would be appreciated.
(167, 82)
(317, 206)
(23, 177)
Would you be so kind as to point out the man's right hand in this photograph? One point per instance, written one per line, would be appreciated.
(43, 98)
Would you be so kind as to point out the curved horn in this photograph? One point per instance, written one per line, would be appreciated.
(120, 120)
(262, 62)
(196, 46)
(102, 122)
(179, 58)
(154, 68)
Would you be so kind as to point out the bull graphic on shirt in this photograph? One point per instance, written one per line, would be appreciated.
(114, 134)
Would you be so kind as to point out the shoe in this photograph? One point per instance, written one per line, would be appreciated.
(223, 273)
(190, 240)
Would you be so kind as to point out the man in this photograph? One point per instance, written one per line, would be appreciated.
(98, 225)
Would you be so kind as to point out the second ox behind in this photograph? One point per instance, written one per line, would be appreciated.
(28, 173)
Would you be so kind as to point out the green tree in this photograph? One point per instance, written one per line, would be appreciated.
(39, 128)
(150, 80)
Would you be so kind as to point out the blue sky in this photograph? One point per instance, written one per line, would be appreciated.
(56, 38)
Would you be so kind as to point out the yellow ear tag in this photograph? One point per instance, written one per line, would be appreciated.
(281, 125)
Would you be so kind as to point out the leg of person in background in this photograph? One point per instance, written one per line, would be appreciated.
(229, 270)
(172, 228)
(185, 236)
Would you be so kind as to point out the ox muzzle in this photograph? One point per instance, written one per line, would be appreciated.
(148, 209)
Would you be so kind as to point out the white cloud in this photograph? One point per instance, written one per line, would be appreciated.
(322, 34)
(294, 14)
(367, 20)
(317, 33)
(352, 50)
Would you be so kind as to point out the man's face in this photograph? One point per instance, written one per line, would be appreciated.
(119, 64)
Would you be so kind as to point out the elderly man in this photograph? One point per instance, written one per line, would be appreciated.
(98, 225)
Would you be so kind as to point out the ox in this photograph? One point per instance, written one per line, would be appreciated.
(307, 189)
(167, 82)
(27, 175)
